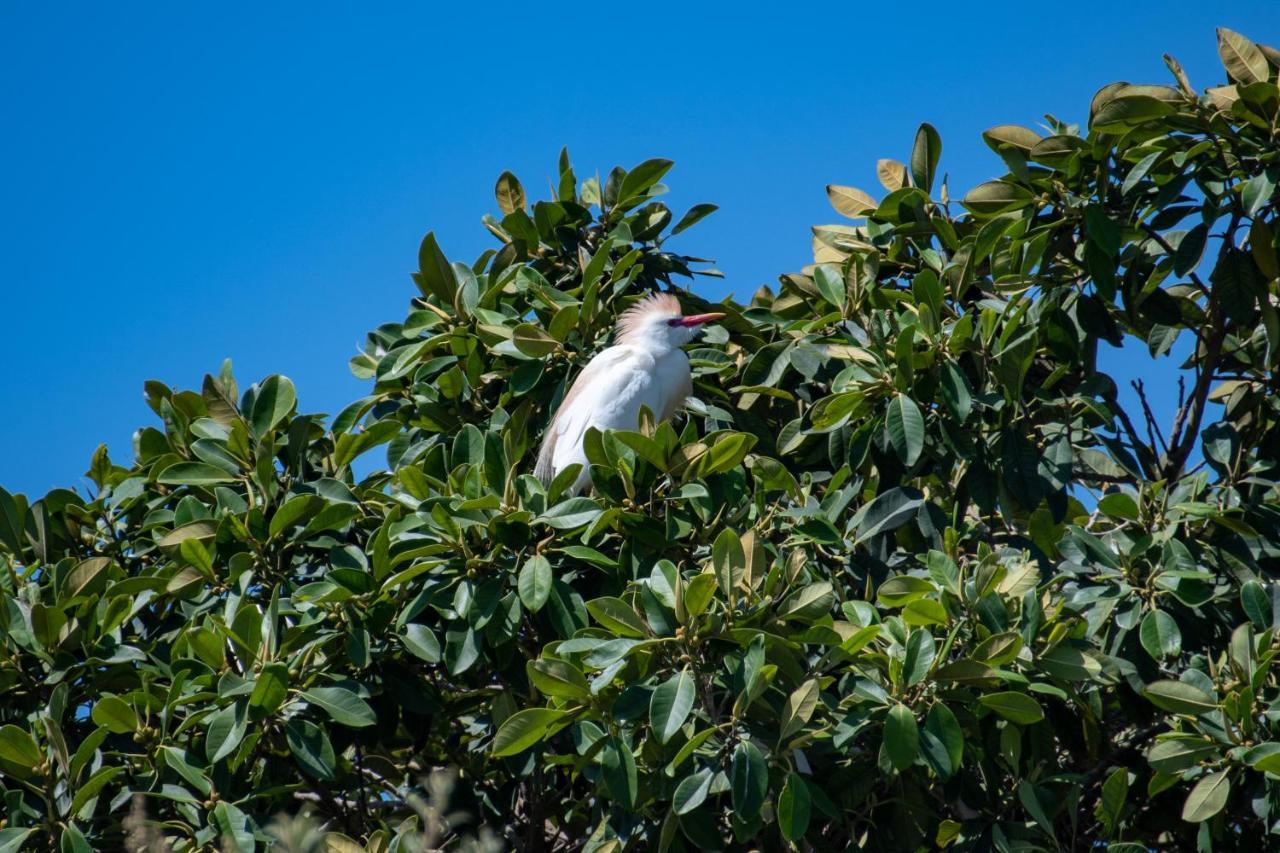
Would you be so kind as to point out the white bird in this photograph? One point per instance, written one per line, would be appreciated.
(644, 367)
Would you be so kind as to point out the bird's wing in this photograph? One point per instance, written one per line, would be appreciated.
(563, 424)
(683, 390)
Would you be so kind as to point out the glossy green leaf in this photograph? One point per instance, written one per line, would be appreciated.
(1013, 706)
(343, 706)
(901, 739)
(525, 728)
(670, 705)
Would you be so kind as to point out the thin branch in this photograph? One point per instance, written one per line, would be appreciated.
(1153, 428)
(1186, 426)
(1134, 439)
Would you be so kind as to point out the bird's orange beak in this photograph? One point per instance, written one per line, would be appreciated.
(699, 319)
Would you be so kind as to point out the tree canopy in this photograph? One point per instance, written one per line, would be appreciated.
(907, 572)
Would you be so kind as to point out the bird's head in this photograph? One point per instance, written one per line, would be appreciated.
(657, 322)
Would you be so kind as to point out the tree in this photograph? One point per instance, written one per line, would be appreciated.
(906, 573)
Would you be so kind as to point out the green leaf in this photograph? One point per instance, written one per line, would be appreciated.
(1186, 256)
(694, 215)
(297, 510)
(269, 691)
(533, 341)
(1179, 697)
(351, 445)
(670, 705)
(726, 453)
(698, 593)
(235, 828)
(903, 589)
(793, 808)
(18, 748)
(691, 792)
(1069, 664)
(193, 474)
(1114, 793)
(226, 729)
(919, 658)
(509, 193)
(311, 748)
(901, 738)
(525, 728)
(1030, 799)
(115, 714)
(1264, 757)
(1102, 231)
(1119, 505)
(1119, 114)
(435, 274)
(558, 678)
(830, 284)
(618, 767)
(1010, 136)
(1013, 706)
(575, 512)
(905, 427)
(274, 402)
(995, 197)
(13, 839)
(1207, 798)
(888, 511)
(1258, 191)
(534, 583)
(92, 787)
(641, 178)
(342, 705)
(956, 393)
(729, 561)
(617, 617)
(924, 157)
(798, 708)
(1177, 753)
(422, 642)
(748, 780)
(810, 602)
(1160, 635)
(1242, 58)
(1237, 285)
(942, 741)
(853, 203)
(1256, 602)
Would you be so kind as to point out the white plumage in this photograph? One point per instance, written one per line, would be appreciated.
(645, 367)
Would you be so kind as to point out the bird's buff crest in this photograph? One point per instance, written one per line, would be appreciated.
(629, 321)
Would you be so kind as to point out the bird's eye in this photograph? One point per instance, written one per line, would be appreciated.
(674, 321)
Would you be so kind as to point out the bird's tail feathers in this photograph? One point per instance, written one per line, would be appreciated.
(544, 470)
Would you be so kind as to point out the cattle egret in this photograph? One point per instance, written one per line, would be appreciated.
(644, 367)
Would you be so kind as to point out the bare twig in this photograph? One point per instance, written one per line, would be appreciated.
(1153, 428)
(1186, 425)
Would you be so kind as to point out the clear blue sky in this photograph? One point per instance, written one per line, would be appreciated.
(189, 182)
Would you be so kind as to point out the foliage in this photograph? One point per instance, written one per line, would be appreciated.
(905, 573)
